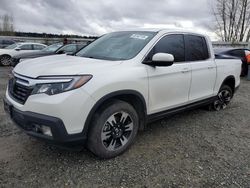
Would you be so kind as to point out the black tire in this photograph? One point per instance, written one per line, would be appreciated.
(5, 60)
(106, 140)
(223, 98)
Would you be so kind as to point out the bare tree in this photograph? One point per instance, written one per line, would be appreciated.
(232, 20)
(7, 25)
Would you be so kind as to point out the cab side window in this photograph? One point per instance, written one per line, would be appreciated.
(172, 44)
(196, 48)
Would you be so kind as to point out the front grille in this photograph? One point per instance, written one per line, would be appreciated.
(19, 92)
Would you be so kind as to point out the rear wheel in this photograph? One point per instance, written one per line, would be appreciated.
(5, 60)
(113, 129)
(223, 98)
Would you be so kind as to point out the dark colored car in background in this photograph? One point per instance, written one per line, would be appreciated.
(243, 54)
(53, 49)
(71, 49)
(5, 42)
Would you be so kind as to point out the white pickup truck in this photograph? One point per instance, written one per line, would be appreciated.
(112, 88)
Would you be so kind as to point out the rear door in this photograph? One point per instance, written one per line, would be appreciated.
(26, 47)
(169, 86)
(38, 47)
(203, 67)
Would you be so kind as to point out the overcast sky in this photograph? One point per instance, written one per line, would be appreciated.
(96, 17)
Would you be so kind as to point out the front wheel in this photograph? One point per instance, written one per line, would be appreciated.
(113, 129)
(5, 60)
(223, 98)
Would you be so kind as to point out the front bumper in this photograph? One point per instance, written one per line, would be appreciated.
(27, 121)
(71, 107)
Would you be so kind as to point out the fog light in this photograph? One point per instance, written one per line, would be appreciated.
(42, 129)
(46, 130)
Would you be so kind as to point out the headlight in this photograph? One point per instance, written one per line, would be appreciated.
(60, 87)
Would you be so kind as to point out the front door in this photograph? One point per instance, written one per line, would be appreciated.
(169, 86)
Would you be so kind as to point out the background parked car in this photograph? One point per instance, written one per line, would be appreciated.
(71, 49)
(243, 54)
(53, 49)
(17, 48)
(49, 50)
(6, 42)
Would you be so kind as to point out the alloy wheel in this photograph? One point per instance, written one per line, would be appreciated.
(5, 61)
(117, 131)
(223, 100)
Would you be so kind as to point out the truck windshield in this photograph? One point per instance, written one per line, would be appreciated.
(117, 46)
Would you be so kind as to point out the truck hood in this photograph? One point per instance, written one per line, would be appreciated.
(56, 65)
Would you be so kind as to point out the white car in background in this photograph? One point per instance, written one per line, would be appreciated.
(17, 48)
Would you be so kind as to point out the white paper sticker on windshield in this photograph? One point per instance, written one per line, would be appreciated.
(137, 36)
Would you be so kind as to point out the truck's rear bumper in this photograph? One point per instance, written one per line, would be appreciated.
(30, 122)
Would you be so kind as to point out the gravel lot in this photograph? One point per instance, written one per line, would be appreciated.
(193, 149)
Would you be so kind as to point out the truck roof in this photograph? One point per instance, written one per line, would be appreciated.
(158, 30)
(166, 30)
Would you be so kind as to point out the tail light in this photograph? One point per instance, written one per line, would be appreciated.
(248, 56)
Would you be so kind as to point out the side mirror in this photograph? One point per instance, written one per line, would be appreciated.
(161, 60)
(17, 49)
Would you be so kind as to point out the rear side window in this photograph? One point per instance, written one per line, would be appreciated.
(38, 47)
(196, 48)
(172, 44)
(26, 47)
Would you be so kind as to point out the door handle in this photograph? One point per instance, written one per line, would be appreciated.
(210, 67)
(185, 70)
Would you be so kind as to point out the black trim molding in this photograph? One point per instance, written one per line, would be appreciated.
(160, 115)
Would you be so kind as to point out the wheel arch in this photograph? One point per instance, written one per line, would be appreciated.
(5, 55)
(132, 97)
(230, 81)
